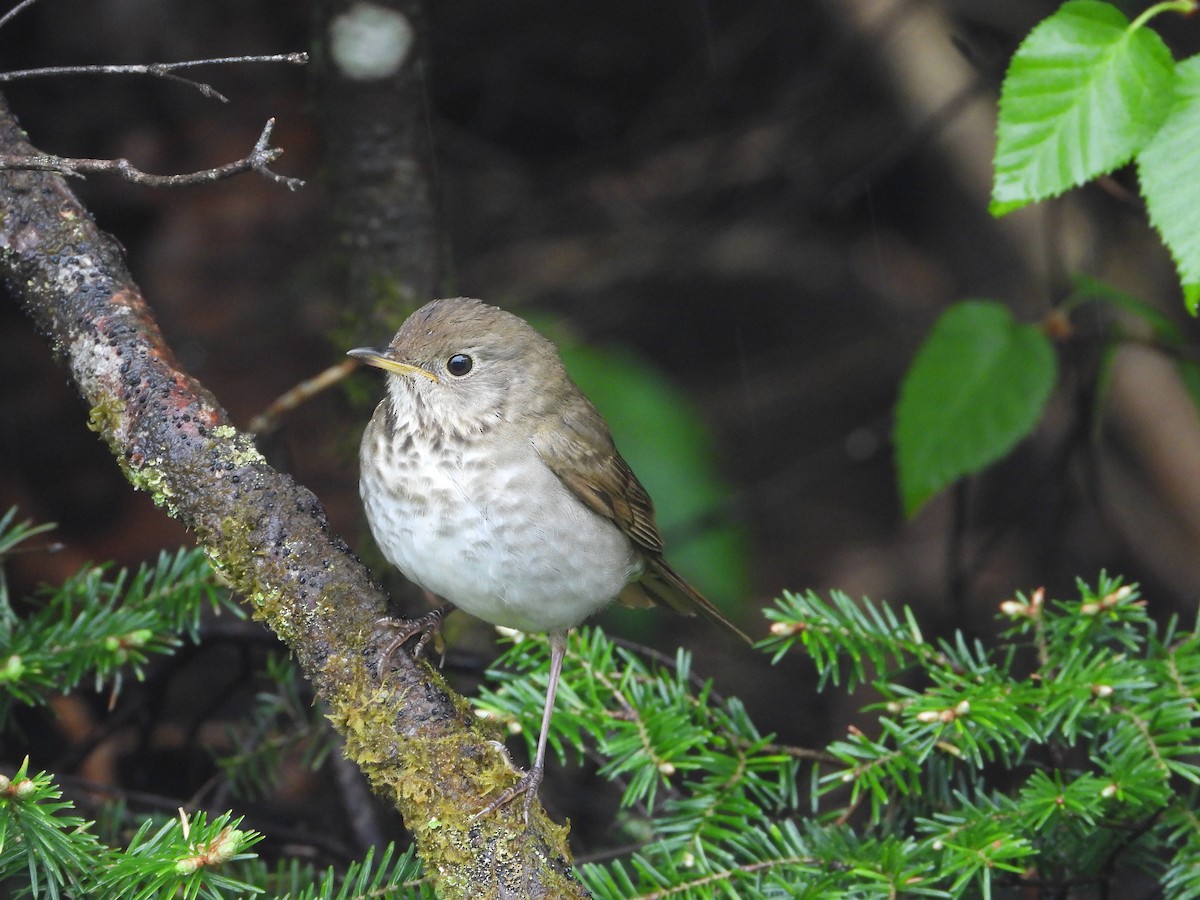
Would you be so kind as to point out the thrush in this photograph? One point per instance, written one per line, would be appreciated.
(490, 480)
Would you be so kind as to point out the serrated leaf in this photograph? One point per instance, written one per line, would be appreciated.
(977, 386)
(1167, 172)
(1083, 94)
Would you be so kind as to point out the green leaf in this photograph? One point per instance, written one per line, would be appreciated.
(13, 532)
(1167, 172)
(1083, 94)
(976, 388)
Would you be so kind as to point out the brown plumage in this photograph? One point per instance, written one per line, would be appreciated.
(489, 479)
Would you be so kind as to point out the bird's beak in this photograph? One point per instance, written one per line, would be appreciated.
(381, 358)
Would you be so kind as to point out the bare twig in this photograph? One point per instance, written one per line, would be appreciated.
(268, 420)
(156, 70)
(258, 160)
(19, 8)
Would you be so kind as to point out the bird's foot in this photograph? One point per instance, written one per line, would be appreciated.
(404, 630)
(528, 786)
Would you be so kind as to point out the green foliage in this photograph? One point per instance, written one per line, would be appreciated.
(1083, 93)
(980, 382)
(103, 627)
(281, 724)
(390, 876)
(107, 627)
(57, 855)
(1065, 753)
(13, 533)
(182, 857)
(60, 856)
(977, 387)
(1167, 174)
(1088, 708)
(651, 724)
(1087, 92)
(39, 836)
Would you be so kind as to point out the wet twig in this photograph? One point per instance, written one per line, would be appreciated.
(165, 70)
(257, 160)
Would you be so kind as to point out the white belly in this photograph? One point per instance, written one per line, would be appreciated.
(515, 548)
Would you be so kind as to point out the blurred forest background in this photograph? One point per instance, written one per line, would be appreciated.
(768, 202)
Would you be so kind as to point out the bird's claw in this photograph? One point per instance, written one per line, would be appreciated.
(404, 630)
(528, 786)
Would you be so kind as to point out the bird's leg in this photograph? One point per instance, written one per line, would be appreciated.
(403, 630)
(528, 784)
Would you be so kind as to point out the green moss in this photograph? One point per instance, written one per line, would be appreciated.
(105, 417)
(419, 775)
(241, 450)
(150, 478)
(230, 552)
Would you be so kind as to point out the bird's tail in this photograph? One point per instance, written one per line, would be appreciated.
(662, 585)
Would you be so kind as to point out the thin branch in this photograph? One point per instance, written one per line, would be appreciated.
(165, 70)
(799, 752)
(268, 420)
(19, 8)
(257, 160)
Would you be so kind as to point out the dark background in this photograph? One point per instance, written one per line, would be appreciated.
(770, 201)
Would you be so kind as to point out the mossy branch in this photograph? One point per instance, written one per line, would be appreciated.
(415, 740)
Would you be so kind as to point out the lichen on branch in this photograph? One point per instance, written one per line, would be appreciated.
(416, 741)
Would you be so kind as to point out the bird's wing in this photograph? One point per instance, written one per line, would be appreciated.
(584, 457)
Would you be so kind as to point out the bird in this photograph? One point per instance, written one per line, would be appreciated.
(489, 480)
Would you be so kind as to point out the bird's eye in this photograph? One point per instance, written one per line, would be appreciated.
(459, 364)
